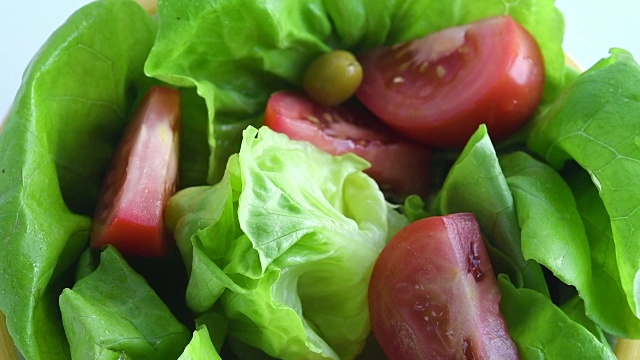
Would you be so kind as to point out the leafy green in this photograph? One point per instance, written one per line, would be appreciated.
(487, 195)
(216, 324)
(113, 312)
(53, 150)
(414, 208)
(261, 245)
(236, 53)
(594, 123)
(554, 235)
(619, 318)
(576, 311)
(200, 347)
(204, 221)
(541, 330)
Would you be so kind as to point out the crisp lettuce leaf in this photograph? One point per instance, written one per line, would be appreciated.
(64, 123)
(236, 53)
(594, 123)
(205, 223)
(553, 234)
(414, 208)
(541, 330)
(200, 347)
(487, 195)
(216, 324)
(620, 319)
(575, 310)
(260, 244)
(113, 313)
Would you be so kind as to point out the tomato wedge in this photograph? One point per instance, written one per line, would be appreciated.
(438, 89)
(433, 294)
(141, 178)
(400, 166)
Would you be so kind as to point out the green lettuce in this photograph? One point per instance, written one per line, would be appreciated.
(541, 330)
(488, 197)
(594, 123)
(200, 347)
(113, 311)
(290, 264)
(554, 235)
(575, 310)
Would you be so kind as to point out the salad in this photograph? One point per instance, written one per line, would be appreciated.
(275, 239)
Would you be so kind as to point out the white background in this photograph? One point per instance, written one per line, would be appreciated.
(592, 27)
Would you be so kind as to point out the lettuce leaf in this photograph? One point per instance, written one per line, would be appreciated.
(553, 234)
(113, 313)
(487, 195)
(64, 123)
(200, 347)
(620, 319)
(261, 244)
(594, 123)
(541, 330)
(236, 53)
(575, 310)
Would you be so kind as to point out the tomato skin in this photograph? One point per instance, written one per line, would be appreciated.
(433, 294)
(400, 166)
(141, 178)
(438, 89)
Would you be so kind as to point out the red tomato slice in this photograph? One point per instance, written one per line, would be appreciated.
(433, 294)
(141, 178)
(400, 166)
(440, 88)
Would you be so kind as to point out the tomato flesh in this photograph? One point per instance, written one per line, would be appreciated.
(141, 178)
(433, 294)
(438, 89)
(400, 166)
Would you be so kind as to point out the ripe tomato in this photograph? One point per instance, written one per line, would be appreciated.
(433, 294)
(440, 88)
(141, 178)
(400, 166)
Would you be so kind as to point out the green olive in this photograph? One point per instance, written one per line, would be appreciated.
(333, 77)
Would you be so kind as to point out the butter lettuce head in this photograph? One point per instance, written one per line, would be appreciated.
(292, 269)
